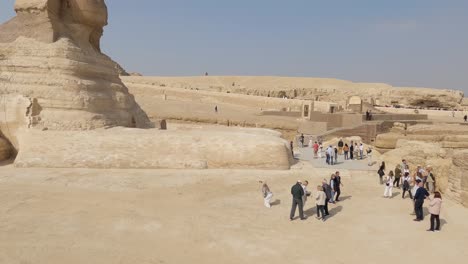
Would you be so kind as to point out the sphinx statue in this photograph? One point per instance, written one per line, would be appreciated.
(53, 75)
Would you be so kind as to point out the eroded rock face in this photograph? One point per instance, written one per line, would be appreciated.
(458, 182)
(5, 149)
(126, 148)
(50, 58)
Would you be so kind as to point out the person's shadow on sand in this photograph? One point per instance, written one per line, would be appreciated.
(276, 202)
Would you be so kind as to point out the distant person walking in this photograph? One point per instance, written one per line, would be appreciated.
(332, 185)
(388, 193)
(351, 151)
(328, 192)
(320, 197)
(306, 193)
(465, 118)
(336, 154)
(430, 180)
(320, 150)
(330, 154)
(337, 186)
(267, 194)
(381, 172)
(369, 156)
(216, 109)
(419, 197)
(434, 209)
(346, 151)
(301, 140)
(316, 149)
(361, 150)
(297, 193)
(292, 148)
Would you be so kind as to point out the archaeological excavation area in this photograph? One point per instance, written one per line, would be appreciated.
(101, 166)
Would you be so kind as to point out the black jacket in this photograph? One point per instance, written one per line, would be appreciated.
(297, 191)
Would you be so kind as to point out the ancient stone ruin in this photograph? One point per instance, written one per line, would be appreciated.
(53, 75)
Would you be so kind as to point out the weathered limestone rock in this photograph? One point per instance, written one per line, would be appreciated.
(153, 149)
(5, 149)
(50, 58)
(458, 182)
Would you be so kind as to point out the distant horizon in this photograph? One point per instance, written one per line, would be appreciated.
(418, 43)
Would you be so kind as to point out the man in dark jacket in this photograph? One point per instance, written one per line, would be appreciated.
(419, 197)
(328, 192)
(297, 192)
(337, 185)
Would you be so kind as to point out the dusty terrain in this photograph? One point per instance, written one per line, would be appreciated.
(217, 216)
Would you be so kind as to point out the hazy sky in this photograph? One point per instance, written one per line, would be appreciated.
(400, 42)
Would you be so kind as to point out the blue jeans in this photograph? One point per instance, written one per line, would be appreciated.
(332, 199)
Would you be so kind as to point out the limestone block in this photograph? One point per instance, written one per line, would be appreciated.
(152, 149)
(5, 149)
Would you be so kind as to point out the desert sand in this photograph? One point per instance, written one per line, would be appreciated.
(217, 216)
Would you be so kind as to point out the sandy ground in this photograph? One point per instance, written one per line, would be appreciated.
(160, 216)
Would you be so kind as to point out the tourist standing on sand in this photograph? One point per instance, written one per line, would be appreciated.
(216, 109)
(381, 172)
(361, 150)
(301, 140)
(320, 150)
(310, 145)
(337, 185)
(332, 186)
(267, 194)
(351, 151)
(430, 180)
(340, 146)
(397, 176)
(320, 201)
(434, 209)
(465, 118)
(292, 149)
(346, 151)
(328, 192)
(336, 154)
(419, 197)
(330, 154)
(388, 193)
(297, 192)
(406, 183)
(356, 151)
(369, 156)
(306, 193)
(316, 149)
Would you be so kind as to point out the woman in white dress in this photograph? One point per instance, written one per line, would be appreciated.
(388, 193)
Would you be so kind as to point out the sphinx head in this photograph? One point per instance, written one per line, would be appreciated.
(82, 20)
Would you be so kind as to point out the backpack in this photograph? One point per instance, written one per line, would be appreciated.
(381, 173)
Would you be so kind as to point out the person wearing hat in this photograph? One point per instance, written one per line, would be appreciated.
(419, 197)
(297, 193)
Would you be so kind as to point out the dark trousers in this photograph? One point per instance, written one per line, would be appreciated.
(338, 192)
(351, 155)
(435, 218)
(407, 190)
(326, 206)
(297, 203)
(320, 209)
(397, 181)
(418, 209)
(328, 158)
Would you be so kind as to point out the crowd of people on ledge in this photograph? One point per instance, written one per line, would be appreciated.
(419, 184)
(328, 192)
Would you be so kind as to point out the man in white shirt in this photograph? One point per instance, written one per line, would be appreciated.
(361, 150)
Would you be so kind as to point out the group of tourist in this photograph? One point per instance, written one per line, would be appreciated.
(351, 151)
(419, 185)
(328, 191)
